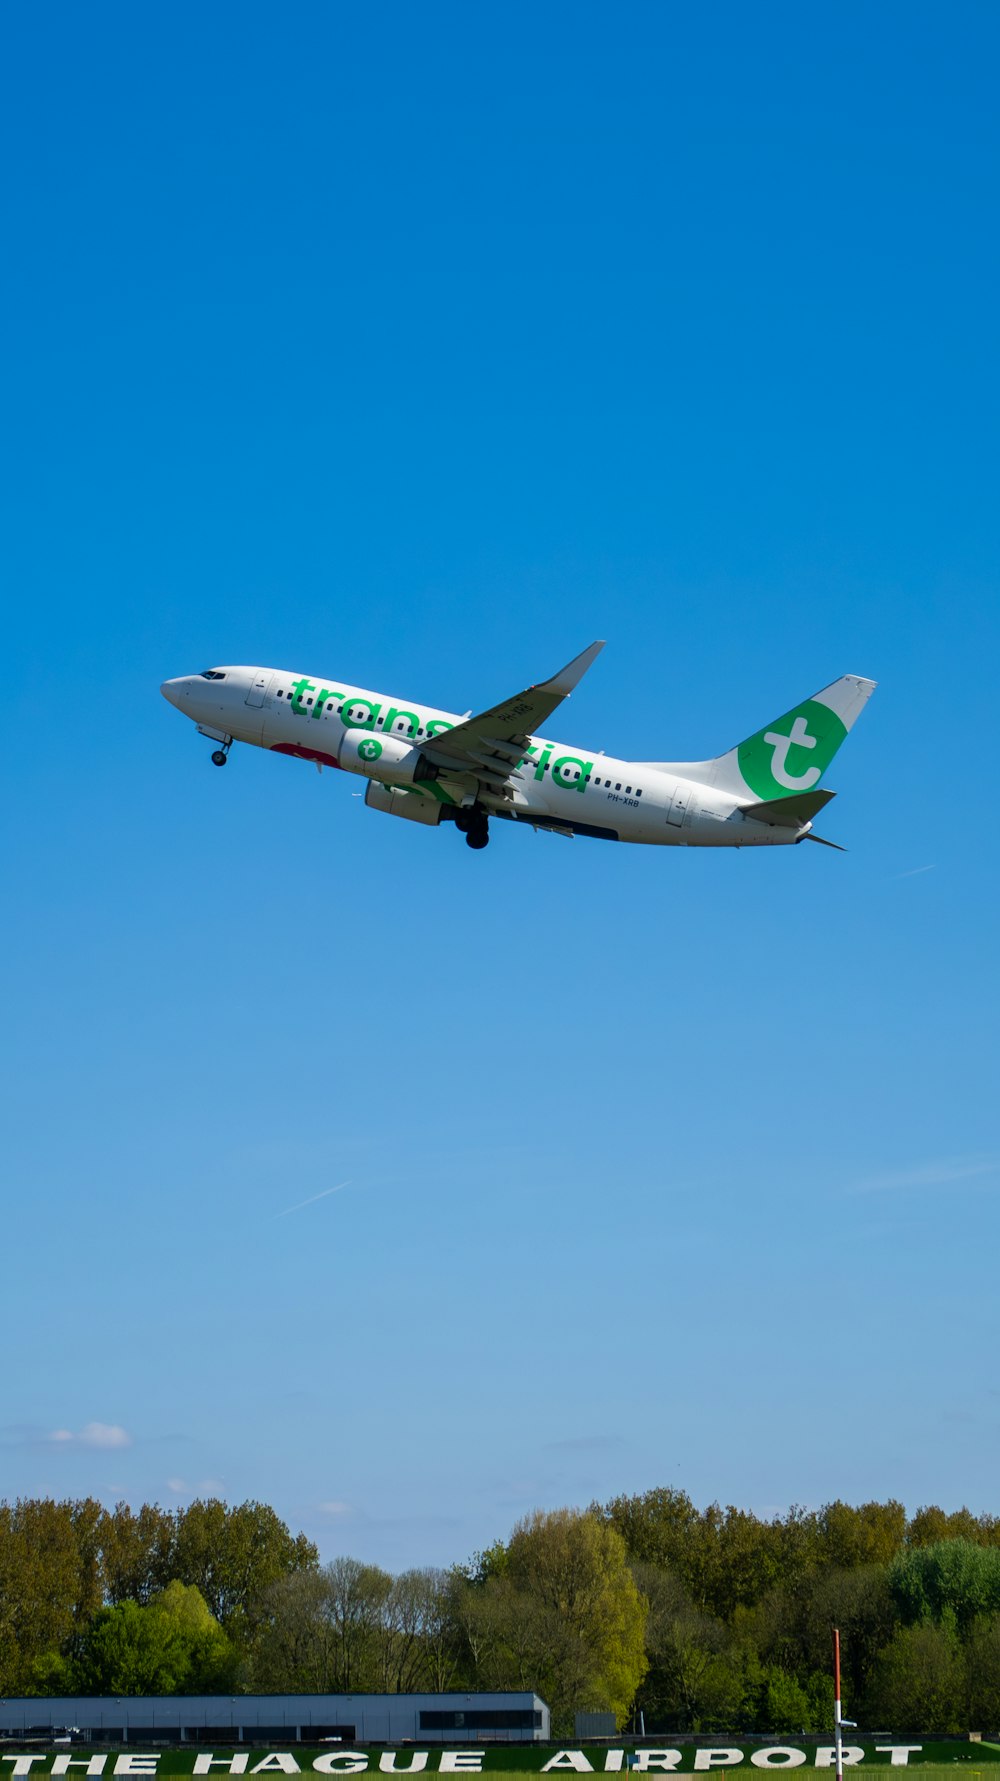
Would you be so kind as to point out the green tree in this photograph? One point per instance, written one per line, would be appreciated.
(871, 1534)
(918, 1683)
(233, 1554)
(575, 1567)
(404, 1632)
(860, 1603)
(786, 1706)
(130, 1650)
(355, 1598)
(295, 1648)
(210, 1655)
(745, 1561)
(686, 1684)
(323, 1631)
(430, 1592)
(491, 1562)
(953, 1576)
(662, 1527)
(137, 1553)
(931, 1524)
(982, 1661)
(482, 1622)
(44, 1588)
(173, 1646)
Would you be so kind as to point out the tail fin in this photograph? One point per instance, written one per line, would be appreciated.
(791, 755)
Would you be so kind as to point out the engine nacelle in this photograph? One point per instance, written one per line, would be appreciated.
(391, 758)
(418, 806)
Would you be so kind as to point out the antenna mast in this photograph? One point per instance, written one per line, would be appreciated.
(838, 1735)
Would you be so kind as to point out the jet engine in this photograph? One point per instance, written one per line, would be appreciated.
(391, 758)
(418, 807)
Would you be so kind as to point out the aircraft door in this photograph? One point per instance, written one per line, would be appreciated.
(259, 689)
(680, 803)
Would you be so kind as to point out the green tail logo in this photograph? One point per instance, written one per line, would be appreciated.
(793, 753)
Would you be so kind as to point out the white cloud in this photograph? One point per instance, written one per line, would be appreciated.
(177, 1485)
(335, 1507)
(93, 1434)
(104, 1434)
(943, 1173)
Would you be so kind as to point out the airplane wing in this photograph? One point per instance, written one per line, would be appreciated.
(490, 746)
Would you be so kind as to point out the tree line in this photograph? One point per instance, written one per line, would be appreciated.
(699, 1620)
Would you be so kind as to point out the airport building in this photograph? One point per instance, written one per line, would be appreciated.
(279, 1719)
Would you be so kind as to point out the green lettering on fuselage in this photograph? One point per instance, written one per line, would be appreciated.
(371, 707)
(572, 773)
(393, 715)
(569, 772)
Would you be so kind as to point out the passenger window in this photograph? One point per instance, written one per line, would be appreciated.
(308, 701)
(638, 791)
(618, 787)
(628, 790)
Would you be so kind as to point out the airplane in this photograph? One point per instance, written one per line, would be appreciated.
(433, 766)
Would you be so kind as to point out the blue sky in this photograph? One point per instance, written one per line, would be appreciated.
(418, 347)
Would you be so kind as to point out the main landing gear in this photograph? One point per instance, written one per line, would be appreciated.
(220, 757)
(475, 826)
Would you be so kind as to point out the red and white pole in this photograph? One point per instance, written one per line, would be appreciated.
(838, 1736)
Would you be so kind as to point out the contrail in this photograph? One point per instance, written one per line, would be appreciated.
(915, 873)
(311, 1201)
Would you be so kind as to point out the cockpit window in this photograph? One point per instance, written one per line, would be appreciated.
(213, 674)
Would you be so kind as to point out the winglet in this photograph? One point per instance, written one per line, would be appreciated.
(567, 678)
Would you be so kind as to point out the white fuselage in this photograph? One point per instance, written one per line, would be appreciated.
(556, 786)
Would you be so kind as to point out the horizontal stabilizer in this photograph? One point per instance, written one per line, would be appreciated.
(789, 813)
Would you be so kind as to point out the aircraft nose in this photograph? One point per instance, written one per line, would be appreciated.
(174, 690)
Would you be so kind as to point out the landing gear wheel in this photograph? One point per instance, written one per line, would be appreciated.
(478, 834)
(220, 757)
(464, 820)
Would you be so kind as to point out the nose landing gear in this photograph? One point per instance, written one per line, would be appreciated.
(220, 757)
